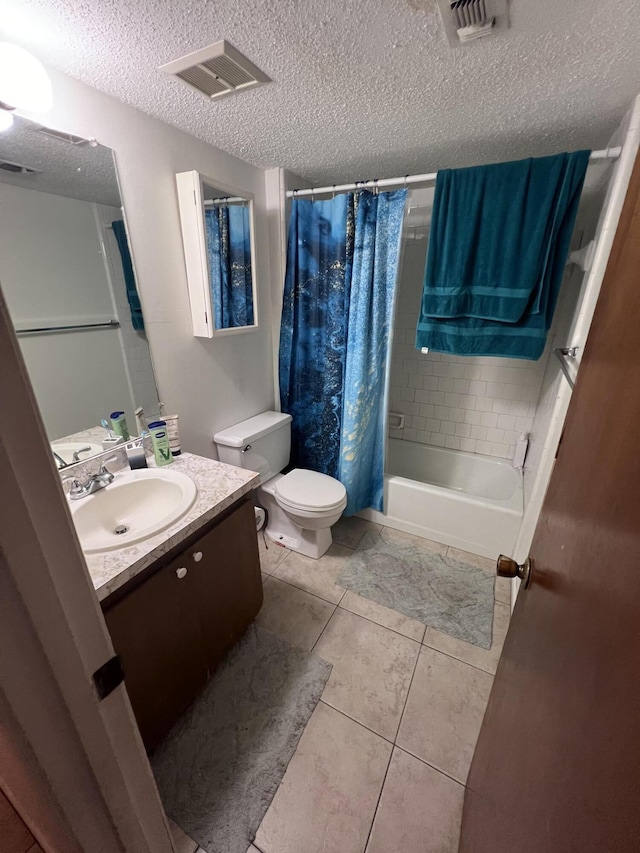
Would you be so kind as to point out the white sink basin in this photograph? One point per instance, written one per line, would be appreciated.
(137, 505)
(66, 449)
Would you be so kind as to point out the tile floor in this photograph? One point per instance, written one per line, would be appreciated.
(383, 761)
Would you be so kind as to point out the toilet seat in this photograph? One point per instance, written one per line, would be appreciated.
(311, 491)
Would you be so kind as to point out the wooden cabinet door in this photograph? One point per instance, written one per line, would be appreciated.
(226, 581)
(156, 632)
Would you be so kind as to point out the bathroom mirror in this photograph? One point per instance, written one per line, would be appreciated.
(218, 237)
(67, 276)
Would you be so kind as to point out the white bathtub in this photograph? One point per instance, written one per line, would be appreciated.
(467, 500)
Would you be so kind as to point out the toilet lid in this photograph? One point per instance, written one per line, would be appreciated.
(302, 489)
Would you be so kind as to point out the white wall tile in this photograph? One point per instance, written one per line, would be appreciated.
(475, 404)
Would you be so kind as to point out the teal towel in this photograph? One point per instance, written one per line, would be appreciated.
(499, 240)
(119, 231)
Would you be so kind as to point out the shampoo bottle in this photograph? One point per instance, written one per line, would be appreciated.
(160, 441)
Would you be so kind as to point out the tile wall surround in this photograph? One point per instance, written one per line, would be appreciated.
(480, 405)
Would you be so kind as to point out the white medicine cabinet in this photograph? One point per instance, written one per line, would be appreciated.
(218, 237)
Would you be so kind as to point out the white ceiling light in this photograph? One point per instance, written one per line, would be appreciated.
(24, 83)
(6, 120)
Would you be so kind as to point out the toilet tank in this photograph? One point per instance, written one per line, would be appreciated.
(261, 443)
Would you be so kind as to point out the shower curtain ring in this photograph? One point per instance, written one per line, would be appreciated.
(376, 191)
(406, 185)
(333, 193)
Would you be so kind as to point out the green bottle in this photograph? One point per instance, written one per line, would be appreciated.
(119, 425)
(160, 441)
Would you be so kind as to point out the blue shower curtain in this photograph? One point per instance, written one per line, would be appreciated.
(375, 267)
(313, 335)
(342, 264)
(229, 249)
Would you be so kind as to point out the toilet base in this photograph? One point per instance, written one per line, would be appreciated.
(281, 529)
(311, 543)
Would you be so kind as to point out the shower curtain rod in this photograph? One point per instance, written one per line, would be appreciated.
(604, 154)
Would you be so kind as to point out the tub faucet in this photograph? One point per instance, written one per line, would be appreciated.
(92, 484)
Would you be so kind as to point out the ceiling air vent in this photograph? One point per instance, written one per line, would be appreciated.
(467, 20)
(216, 70)
(18, 168)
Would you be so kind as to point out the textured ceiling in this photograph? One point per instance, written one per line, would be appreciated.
(361, 89)
(74, 171)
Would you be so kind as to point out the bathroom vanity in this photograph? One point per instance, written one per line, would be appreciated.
(175, 604)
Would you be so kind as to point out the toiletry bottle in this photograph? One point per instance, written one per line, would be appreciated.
(119, 425)
(173, 433)
(161, 449)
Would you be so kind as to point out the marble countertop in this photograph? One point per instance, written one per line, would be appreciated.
(219, 486)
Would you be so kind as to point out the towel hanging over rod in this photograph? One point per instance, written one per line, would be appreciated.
(603, 154)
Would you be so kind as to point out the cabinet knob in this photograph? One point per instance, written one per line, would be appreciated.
(181, 572)
(197, 556)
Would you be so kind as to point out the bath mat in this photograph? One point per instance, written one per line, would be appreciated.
(220, 765)
(442, 592)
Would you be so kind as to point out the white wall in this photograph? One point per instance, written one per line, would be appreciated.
(52, 272)
(210, 383)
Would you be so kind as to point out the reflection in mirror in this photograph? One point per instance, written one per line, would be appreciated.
(218, 234)
(67, 275)
(228, 230)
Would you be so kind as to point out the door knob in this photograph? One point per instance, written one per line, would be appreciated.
(181, 572)
(506, 567)
(197, 556)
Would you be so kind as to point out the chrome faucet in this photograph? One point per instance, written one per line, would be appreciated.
(92, 484)
(76, 453)
(60, 461)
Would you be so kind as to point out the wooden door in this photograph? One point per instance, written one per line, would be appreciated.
(155, 631)
(557, 766)
(15, 837)
(226, 581)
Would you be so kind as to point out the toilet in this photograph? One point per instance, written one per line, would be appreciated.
(301, 505)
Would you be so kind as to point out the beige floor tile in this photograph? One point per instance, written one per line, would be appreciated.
(328, 796)
(391, 535)
(473, 559)
(349, 531)
(372, 669)
(271, 555)
(292, 614)
(486, 659)
(383, 616)
(444, 712)
(182, 842)
(316, 576)
(420, 809)
(503, 590)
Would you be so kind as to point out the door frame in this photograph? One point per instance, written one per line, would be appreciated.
(73, 766)
(605, 233)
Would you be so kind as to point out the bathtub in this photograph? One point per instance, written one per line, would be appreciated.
(467, 500)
